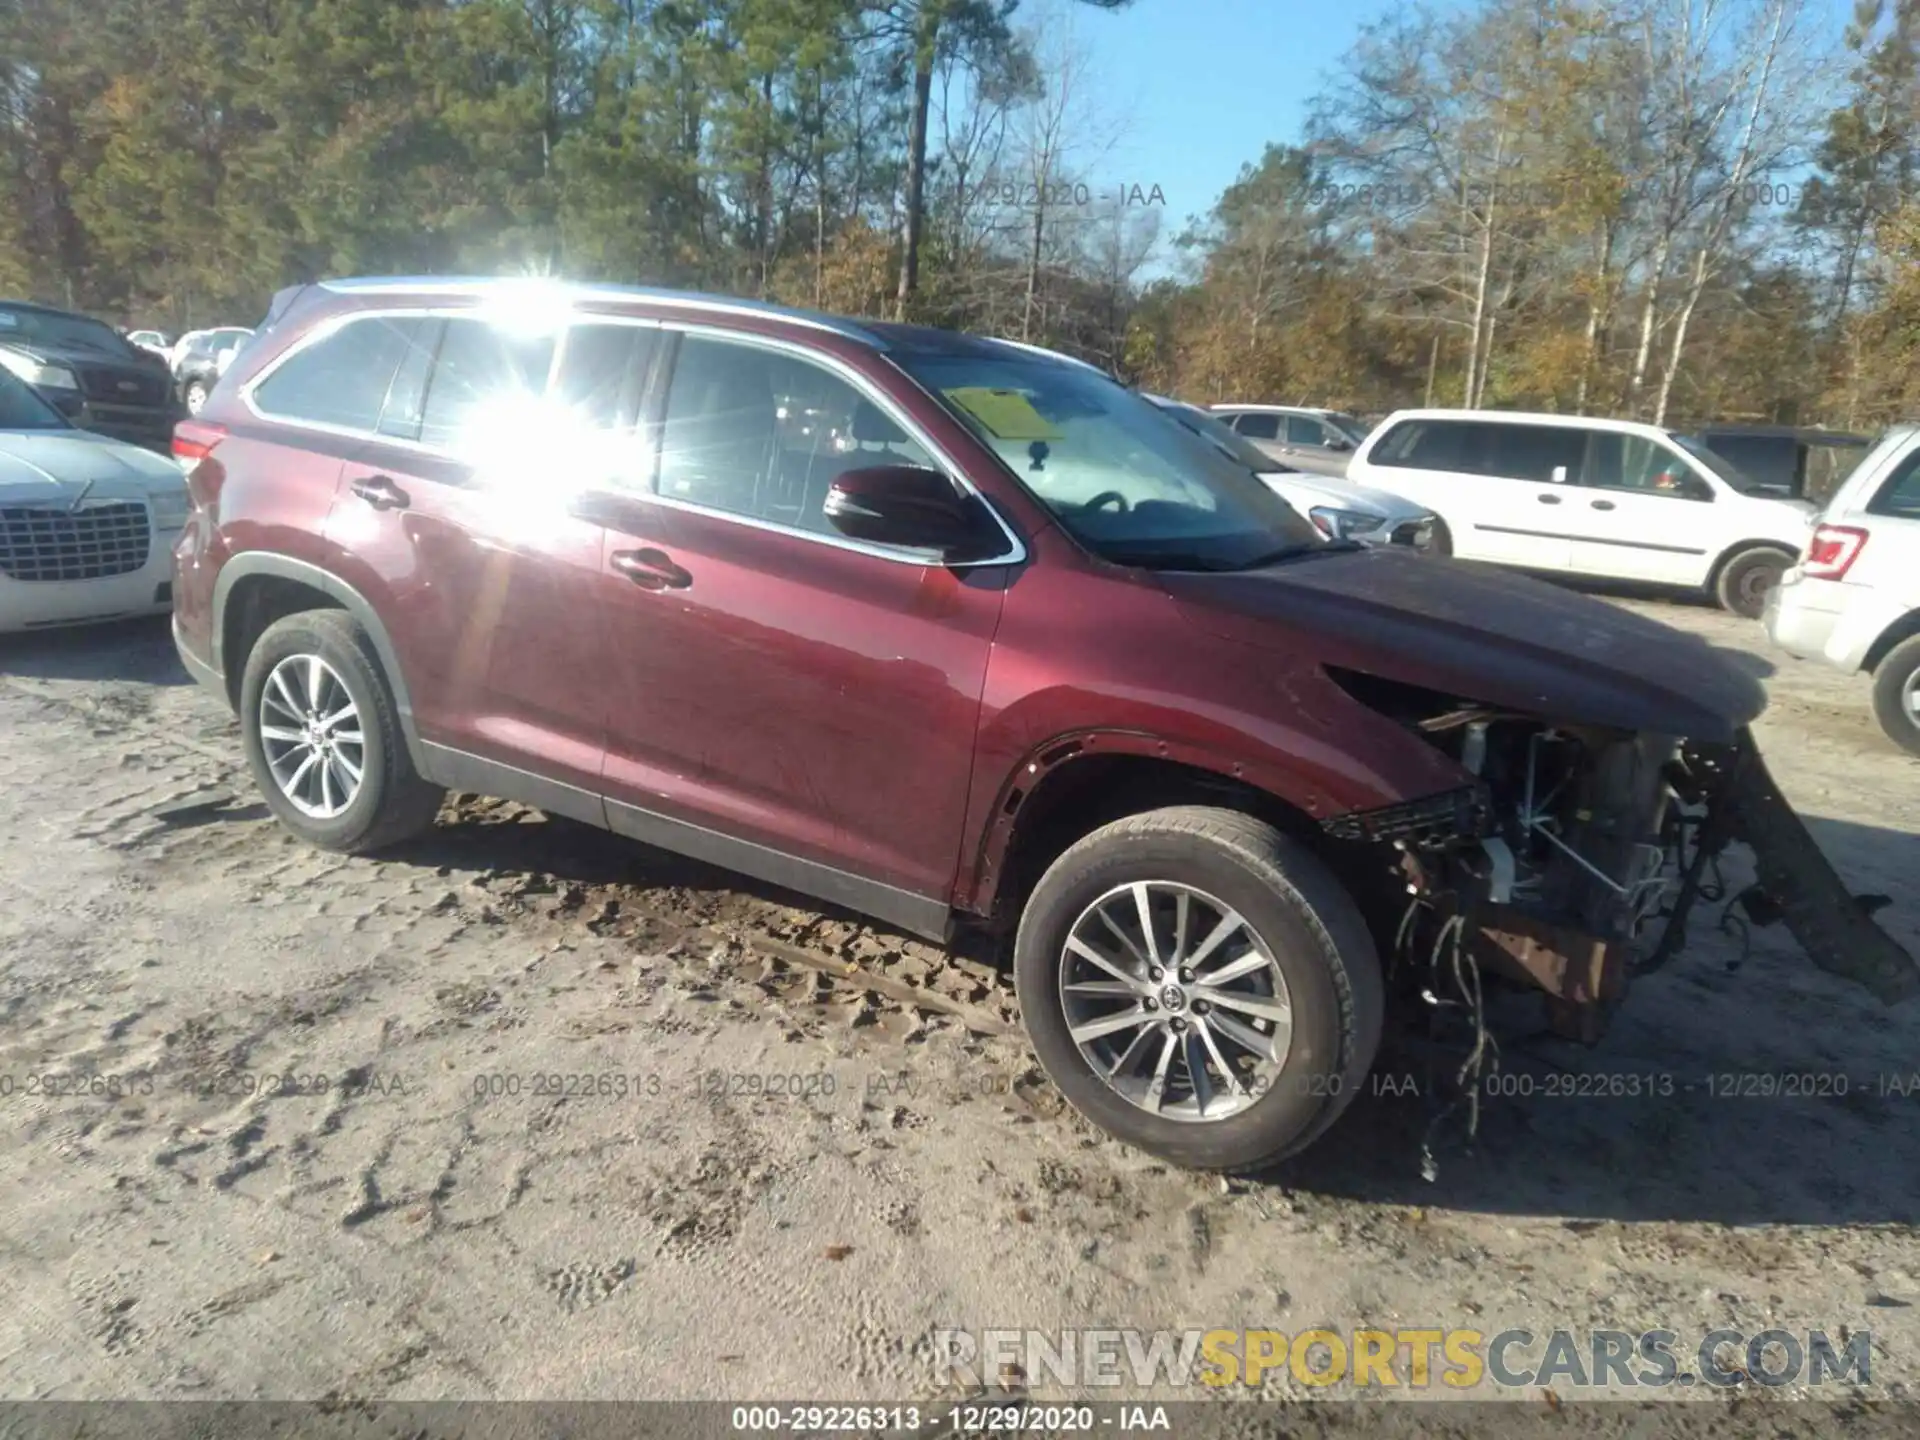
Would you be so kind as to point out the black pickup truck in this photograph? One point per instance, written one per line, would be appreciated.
(90, 373)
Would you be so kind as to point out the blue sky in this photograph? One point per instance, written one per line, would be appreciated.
(1202, 86)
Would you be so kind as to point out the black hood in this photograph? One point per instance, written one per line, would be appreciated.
(81, 356)
(1482, 634)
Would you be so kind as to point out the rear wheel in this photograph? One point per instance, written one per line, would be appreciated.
(323, 736)
(1745, 581)
(1199, 986)
(1896, 694)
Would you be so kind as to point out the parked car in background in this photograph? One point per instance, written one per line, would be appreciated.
(989, 640)
(88, 372)
(87, 523)
(204, 361)
(1576, 495)
(1799, 462)
(1300, 426)
(1853, 600)
(1338, 510)
(1319, 442)
(154, 342)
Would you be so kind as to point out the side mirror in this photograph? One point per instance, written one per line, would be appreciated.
(906, 505)
(1338, 442)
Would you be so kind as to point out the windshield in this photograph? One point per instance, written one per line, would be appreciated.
(22, 409)
(1211, 427)
(60, 332)
(1122, 481)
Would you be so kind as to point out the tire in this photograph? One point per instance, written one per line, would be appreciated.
(195, 398)
(1896, 688)
(1744, 581)
(1311, 932)
(391, 802)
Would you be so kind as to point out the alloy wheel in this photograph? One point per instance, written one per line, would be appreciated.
(1174, 1001)
(310, 733)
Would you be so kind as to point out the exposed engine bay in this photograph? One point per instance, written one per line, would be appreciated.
(1573, 861)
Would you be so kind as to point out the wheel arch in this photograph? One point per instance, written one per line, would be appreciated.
(1900, 631)
(257, 587)
(1072, 784)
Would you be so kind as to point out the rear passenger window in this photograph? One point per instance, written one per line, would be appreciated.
(1433, 445)
(340, 380)
(1533, 452)
(1899, 496)
(400, 417)
(1258, 427)
(600, 370)
(480, 366)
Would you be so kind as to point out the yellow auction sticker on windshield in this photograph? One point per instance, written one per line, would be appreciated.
(1007, 414)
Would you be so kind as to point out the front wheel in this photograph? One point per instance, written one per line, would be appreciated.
(1199, 986)
(323, 737)
(1746, 580)
(1896, 694)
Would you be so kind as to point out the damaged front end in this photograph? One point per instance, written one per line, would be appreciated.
(1572, 862)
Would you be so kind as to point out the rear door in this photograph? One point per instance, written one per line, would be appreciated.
(458, 514)
(1641, 512)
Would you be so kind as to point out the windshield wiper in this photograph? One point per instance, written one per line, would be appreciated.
(1296, 552)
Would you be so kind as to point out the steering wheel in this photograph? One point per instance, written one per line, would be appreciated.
(1105, 497)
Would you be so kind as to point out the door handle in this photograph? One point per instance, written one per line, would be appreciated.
(1603, 505)
(651, 569)
(380, 492)
(1548, 499)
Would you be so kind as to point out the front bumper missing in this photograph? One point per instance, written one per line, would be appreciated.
(1584, 975)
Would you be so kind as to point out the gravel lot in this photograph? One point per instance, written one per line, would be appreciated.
(431, 1219)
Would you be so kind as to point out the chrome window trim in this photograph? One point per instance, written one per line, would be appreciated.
(1015, 553)
(575, 292)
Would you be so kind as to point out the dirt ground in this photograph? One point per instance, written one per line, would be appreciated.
(481, 1121)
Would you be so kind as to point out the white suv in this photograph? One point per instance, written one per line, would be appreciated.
(1577, 495)
(1854, 598)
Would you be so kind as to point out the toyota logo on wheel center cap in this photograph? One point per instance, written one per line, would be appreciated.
(1173, 998)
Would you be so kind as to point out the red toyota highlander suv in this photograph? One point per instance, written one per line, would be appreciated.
(944, 630)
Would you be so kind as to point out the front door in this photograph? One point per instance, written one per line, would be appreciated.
(784, 701)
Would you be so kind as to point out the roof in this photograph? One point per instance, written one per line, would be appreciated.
(1534, 417)
(1814, 433)
(478, 285)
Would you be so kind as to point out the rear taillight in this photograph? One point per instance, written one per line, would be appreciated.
(193, 440)
(1831, 551)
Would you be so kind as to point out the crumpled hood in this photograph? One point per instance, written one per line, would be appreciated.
(41, 465)
(1479, 633)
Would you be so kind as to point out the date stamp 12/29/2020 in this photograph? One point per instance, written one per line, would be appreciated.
(877, 1085)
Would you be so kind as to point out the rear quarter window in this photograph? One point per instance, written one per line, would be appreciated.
(1899, 494)
(340, 379)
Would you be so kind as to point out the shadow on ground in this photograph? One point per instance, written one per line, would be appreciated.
(127, 650)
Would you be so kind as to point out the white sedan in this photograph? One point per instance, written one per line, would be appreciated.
(87, 523)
